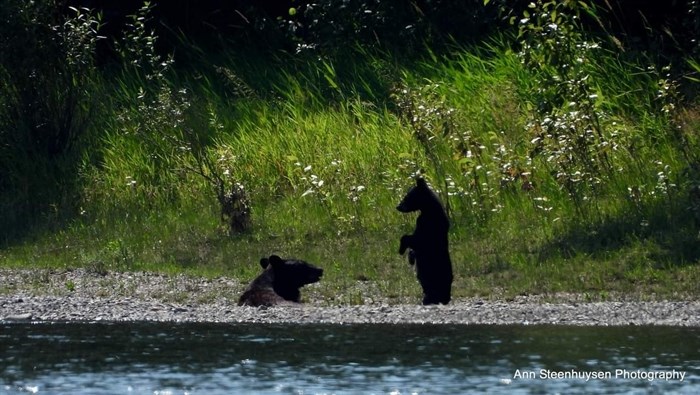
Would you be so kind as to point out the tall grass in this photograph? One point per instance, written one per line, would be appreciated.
(590, 193)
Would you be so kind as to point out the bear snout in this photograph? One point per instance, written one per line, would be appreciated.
(316, 275)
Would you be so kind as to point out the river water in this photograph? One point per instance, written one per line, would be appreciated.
(169, 358)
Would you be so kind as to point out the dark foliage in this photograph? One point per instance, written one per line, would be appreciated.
(47, 100)
(667, 26)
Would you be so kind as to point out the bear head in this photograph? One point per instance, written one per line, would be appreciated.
(288, 275)
(419, 197)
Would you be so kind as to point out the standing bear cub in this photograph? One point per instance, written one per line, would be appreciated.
(279, 282)
(428, 245)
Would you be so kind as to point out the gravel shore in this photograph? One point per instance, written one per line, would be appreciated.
(78, 295)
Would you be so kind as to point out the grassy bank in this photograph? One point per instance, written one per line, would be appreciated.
(581, 178)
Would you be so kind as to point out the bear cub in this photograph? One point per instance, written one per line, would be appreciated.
(428, 245)
(279, 282)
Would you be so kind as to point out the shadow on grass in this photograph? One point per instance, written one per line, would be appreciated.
(40, 205)
(669, 229)
(23, 217)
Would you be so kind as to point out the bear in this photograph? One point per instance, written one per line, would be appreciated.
(279, 282)
(428, 245)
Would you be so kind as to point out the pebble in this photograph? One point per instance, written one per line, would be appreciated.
(159, 298)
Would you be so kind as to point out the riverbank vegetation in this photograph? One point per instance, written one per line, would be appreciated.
(568, 160)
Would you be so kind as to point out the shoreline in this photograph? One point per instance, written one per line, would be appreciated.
(81, 296)
(21, 308)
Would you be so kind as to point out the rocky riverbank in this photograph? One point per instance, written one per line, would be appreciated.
(79, 295)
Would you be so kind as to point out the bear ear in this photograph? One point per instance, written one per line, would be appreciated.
(264, 262)
(276, 260)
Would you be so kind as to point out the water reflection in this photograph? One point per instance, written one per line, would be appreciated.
(220, 358)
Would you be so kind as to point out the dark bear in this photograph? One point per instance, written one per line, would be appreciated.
(428, 245)
(279, 282)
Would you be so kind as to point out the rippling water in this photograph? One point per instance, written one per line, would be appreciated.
(156, 358)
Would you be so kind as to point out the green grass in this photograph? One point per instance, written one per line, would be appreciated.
(325, 149)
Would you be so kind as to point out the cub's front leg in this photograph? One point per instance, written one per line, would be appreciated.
(411, 257)
(406, 242)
